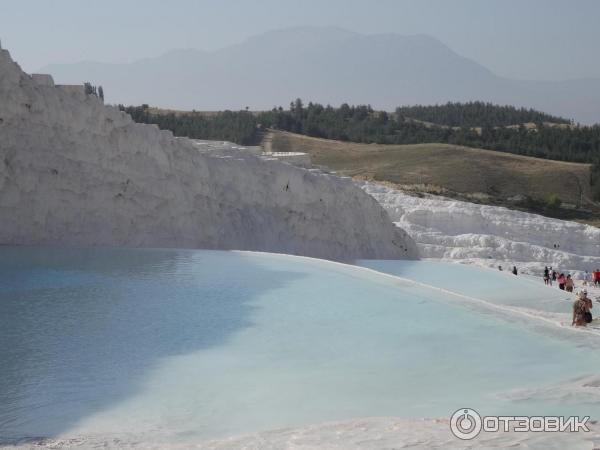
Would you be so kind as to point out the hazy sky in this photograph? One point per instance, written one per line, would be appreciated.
(532, 39)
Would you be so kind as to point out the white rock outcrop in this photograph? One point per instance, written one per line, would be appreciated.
(74, 171)
(491, 235)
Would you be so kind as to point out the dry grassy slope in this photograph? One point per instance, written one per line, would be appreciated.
(446, 168)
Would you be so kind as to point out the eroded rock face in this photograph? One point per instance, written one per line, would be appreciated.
(74, 171)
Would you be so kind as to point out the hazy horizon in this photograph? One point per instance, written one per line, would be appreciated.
(532, 39)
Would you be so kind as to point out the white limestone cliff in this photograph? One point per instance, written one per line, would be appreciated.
(490, 235)
(76, 172)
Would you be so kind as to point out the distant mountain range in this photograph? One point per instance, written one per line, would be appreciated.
(326, 65)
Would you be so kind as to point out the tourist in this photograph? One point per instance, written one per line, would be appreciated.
(579, 310)
(546, 275)
(569, 284)
(561, 281)
(554, 274)
(500, 268)
(596, 277)
(588, 306)
(514, 271)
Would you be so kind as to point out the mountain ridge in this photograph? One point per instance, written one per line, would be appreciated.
(326, 65)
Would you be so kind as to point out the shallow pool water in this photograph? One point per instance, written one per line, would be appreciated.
(178, 344)
(498, 287)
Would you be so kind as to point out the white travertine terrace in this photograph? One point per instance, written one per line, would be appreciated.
(76, 172)
(491, 235)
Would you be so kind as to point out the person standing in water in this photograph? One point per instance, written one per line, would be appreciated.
(587, 279)
(579, 310)
(514, 271)
(587, 317)
(546, 275)
(561, 281)
(569, 284)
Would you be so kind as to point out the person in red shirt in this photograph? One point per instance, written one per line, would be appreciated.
(596, 277)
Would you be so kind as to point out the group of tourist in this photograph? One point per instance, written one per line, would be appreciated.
(582, 306)
(565, 283)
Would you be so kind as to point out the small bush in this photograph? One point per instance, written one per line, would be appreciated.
(554, 201)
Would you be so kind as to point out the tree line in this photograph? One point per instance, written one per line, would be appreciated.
(362, 124)
(240, 127)
(476, 114)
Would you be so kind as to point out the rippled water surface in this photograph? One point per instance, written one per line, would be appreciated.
(173, 344)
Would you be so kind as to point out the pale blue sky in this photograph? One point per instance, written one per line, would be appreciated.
(533, 39)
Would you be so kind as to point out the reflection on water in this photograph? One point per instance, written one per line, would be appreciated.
(204, 343)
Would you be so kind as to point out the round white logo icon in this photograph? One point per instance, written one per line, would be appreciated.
(465, 423)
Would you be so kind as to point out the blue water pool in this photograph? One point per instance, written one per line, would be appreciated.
(178, 344)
